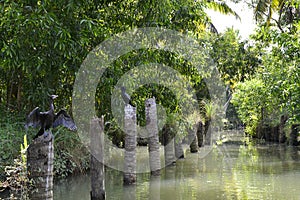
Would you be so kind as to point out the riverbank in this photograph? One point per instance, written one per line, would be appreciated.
(71, 157)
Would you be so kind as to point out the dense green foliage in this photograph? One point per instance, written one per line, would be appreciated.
(273, 91)
(40, 37)
(11, 134)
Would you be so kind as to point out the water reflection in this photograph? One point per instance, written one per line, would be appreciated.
(228, 172)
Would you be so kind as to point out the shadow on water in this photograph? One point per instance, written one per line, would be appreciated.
(227, 172)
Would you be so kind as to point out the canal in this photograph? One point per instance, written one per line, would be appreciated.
(226, 172)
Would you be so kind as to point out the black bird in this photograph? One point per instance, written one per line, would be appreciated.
(49, 119)
(125, 96)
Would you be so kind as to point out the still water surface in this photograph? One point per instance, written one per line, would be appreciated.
(227, 172)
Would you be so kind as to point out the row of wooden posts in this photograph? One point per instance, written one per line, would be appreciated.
(40, 154)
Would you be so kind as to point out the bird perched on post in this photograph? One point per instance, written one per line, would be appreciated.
(126, 96)
(49, 119)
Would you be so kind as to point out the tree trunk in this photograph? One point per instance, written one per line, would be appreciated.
(97, 155)
(153, 140)
(130, 145)
(9, 89)
(19, 93)
(207, 132)
(282, 136)
(40, 167)
(276, 134)
(200, 134)
(294, 135)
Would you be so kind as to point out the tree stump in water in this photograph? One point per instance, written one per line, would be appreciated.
(97, 155)
(40, 154)
(153, 140)
(130, 145)
(168, 143)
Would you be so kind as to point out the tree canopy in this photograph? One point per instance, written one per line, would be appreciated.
(43, 44)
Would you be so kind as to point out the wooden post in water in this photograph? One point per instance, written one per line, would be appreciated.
(40, 155)
(153, 140)
(130, 145)
(97, 155)
(168, 142)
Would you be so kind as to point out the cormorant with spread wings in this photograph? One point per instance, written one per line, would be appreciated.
(49, 119)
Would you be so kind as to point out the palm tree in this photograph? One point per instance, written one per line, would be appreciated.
(181, 14)
(197, 11)
(221, 7)
(153, 140)
(264, 9)
(287, 11)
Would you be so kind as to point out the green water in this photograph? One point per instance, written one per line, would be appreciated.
(227, 172)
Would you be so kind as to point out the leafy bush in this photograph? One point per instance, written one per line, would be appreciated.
(249, 99)
(15, 175)
(70, 155)
(11, 133)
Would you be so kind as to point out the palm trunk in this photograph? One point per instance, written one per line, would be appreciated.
(153, 140)
(40, 156)
(168, 143)
(130, 145)
(97, 159)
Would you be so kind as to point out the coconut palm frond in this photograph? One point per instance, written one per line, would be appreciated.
(223, 8)
(260, 9)
(264, 9)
